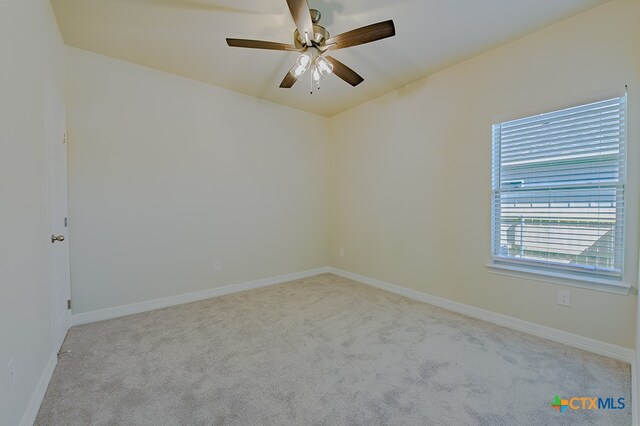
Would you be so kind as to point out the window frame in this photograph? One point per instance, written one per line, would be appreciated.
(580, 276)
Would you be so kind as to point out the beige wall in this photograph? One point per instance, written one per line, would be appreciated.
(167, 174)
(411, 189)
(31, 64)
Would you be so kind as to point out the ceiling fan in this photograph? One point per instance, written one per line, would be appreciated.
(313, 42)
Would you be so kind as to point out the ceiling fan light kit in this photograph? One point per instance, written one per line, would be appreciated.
(319, 66)
(313, 41)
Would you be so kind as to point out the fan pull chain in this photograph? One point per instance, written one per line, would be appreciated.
(314, 70)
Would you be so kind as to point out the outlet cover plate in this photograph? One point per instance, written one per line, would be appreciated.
(217, 265)
(564, 298)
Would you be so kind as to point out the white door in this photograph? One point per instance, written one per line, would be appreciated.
(57, 207)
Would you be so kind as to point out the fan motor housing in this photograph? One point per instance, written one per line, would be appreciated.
(320, 33)
(319, 37)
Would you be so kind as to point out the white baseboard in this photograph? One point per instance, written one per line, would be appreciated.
(580, 342)
(134, 308)
(31, 412)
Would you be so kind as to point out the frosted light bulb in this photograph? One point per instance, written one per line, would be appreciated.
(299, 70)
(316, 75)
(304, 59)
(325, 67)
(302, 64)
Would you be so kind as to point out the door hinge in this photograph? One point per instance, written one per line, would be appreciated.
(64, 140)
(69, 304)
(66, 222)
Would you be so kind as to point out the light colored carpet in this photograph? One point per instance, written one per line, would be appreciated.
(321, 351)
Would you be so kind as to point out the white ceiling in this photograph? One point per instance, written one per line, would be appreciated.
(187, 38)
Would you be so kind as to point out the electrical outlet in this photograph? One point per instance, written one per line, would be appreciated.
(564, 298)
(11, 374)
(341, 252)
(217, 265)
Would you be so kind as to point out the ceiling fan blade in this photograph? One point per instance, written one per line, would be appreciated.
(259, 44)
(362, 35)
(344, 72)
(302, 17)
(289, 80)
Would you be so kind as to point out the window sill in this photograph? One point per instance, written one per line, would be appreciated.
(600, 284)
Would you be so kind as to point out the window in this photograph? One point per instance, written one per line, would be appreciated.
(558, 192)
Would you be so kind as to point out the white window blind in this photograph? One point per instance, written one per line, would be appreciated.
(558, 190)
